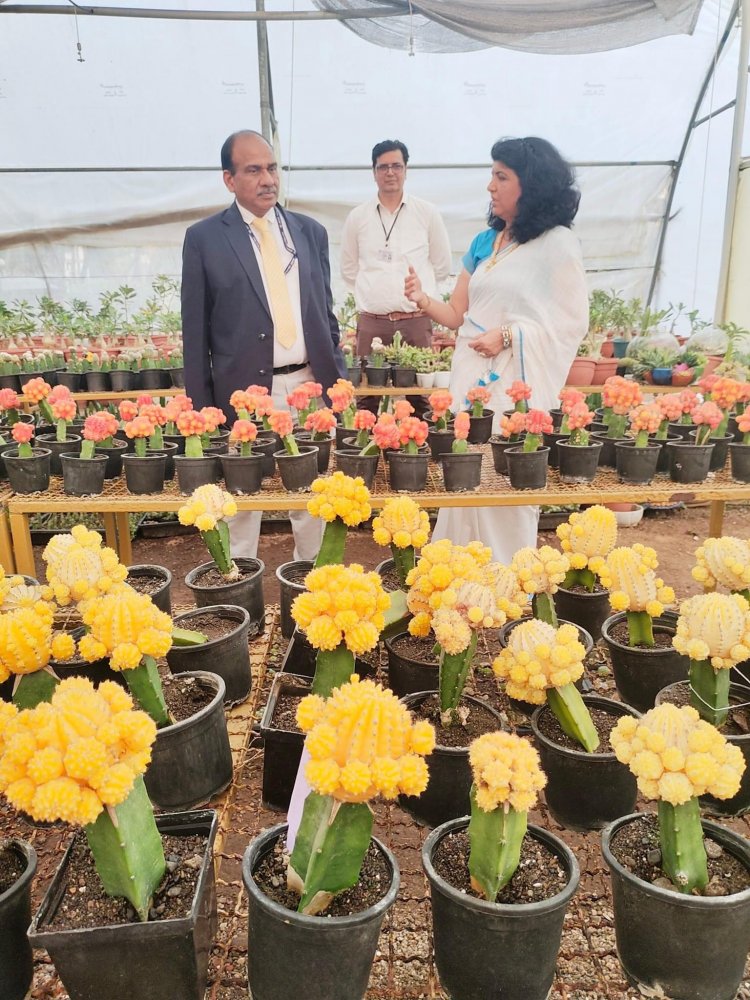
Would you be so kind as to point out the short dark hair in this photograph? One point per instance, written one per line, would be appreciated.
(227, 163)
(389, 146)
(549, 196)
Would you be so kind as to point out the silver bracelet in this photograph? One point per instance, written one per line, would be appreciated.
(507, 337)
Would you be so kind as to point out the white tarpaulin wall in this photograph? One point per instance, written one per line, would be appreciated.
(105, 162)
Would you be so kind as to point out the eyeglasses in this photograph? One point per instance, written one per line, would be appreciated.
(384, 168)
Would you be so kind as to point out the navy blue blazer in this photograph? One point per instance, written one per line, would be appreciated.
(227, 329)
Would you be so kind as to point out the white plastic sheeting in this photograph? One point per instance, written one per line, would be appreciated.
(80, 210)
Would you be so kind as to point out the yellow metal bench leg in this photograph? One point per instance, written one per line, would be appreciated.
(110, 530)
(6, 546)
(716, 518)
(24, 553)
(124, 548)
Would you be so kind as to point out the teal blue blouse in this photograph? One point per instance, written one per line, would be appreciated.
(479, 250)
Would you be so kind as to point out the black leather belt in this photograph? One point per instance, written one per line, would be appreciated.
(288, 369)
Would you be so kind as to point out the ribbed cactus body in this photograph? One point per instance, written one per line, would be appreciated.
(724, 561)
(714, 627)
(683, 856)
(495, 842)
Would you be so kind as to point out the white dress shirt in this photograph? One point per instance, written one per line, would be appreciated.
(297, 353)
(377, 247)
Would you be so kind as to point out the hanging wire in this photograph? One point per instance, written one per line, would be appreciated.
(288, 186)
(411, 29)
(699, 239)
(74, 5)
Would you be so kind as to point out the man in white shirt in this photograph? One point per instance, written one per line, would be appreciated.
(380, 240)
(257, 307)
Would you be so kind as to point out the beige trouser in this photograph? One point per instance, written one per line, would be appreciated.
(244, 528)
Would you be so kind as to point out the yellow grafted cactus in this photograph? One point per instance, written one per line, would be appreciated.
(73, 756)
(340, 496)
(587, 538)
(506, 780)
(441, 567)
(510, 596)
(206, 507)
(404, 526)
(15, 594)
(540, 572)
(25, 640)
(541, 663)
(675, 757)
(343, 605)
(80, 567)
(362, 743)
(713, 630)
(465, 609)
(629, 573)
(539, 657)
(723, 562)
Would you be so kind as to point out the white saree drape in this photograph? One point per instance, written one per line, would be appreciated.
(539, 288)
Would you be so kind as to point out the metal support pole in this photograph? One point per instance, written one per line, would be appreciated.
(735, 158)
(263, 74)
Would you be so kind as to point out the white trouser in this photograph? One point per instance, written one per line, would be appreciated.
(244, 528)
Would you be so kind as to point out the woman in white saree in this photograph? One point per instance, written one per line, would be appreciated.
(520, 306)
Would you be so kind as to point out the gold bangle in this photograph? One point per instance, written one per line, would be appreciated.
(507, 334)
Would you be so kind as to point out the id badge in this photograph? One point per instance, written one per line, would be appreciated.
(385, 256)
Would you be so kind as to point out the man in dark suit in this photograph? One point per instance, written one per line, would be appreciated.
(257, 306)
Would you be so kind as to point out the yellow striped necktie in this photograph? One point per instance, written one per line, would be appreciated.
(284, 324)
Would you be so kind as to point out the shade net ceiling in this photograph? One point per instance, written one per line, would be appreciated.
(105, 162)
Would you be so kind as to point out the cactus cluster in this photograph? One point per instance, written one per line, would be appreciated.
(676, 757)
(404, 526)
(441, 566)
(362, 743)
(342, 502)
(723, 562)
(587, 538)
(79, 566)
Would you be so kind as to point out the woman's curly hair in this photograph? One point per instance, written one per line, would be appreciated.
(549, 196)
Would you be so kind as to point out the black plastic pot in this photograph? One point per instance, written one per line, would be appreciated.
(407, 473)
(739, 458)
(11, 382)
(282, 748)
(551, 441)
(688, 463)
(16, 960)
(585, 791)
(228, 656)
(169, 450)
(114, 455)
(161, 597)
(83, 476)
(403, 376)
(683, 946)
(608, 454)
(246, 593)
(447, 794)
(71, 380)
(195, 472)
(177, 439)
(320, 958)
(161, 960)
(485, 950)
(662, 463)
(28, 475)
(377, 376)
(739, 803)
(323, 445)
(636, 465)
(440, 442)
(589, 611)
(243, 474)
(56, 448)
(461, 472)
(351, 463)
(122, 380)
(154, 378)
(683, 430)
(354, 375)
(720, 450)
(480, 428)
(499, 447)
(144, 475)
(527, 470)
(407, 676)
(267, 445)
(639, 673)
(177, 377)
(578, 463)
(191, 761)
(298, 471)
(288, 590)
(97, 381)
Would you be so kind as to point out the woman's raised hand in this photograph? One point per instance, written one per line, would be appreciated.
(413, 286)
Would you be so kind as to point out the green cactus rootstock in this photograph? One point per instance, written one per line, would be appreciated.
(495, 840)
(333, 667)
(403, 560)
(332, 546)
(580, 577)
(543, 608)
(217, 543)
(31, 689)
(640, 628)
(127, 849)
(331, 844)
(145, 687)
(683, 855)
(709, 692)
(454, 669)
(569, 709)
